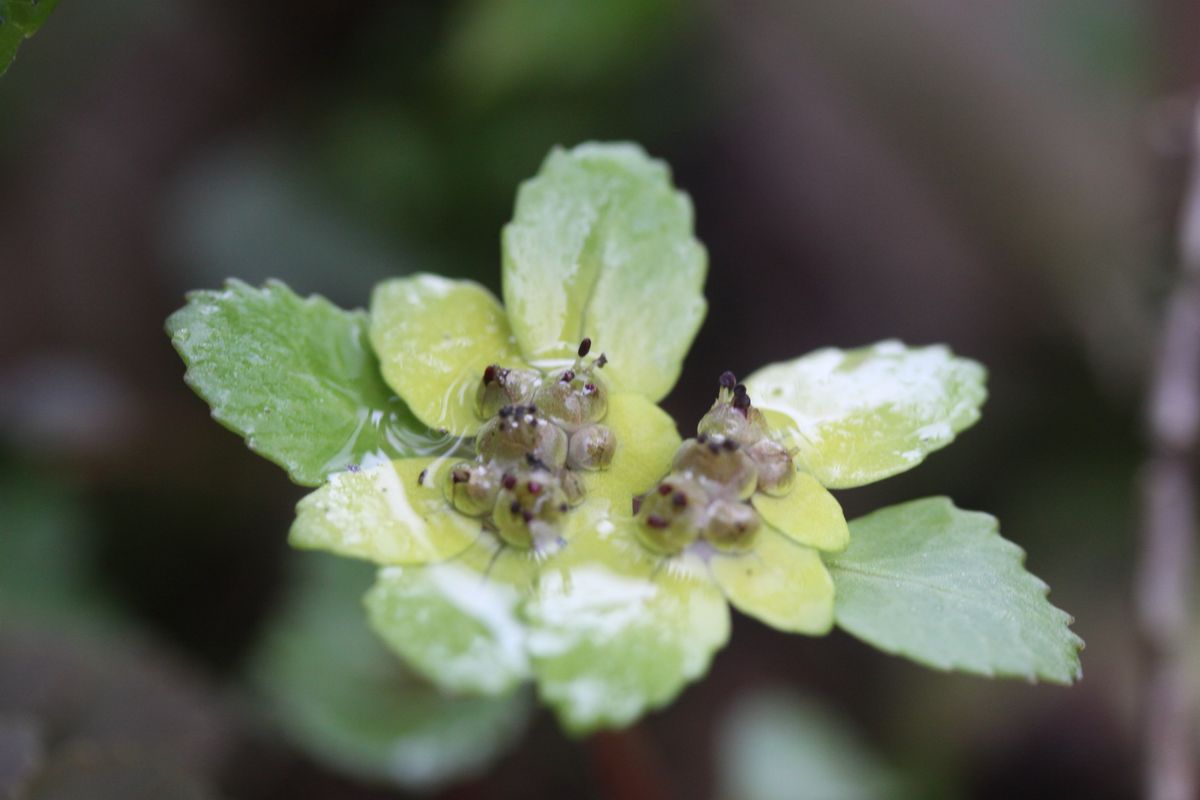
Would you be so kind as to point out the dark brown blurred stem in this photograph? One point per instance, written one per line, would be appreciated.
(1164, 580)
(627, 767)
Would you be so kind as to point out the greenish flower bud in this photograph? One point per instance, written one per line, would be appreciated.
(721, 462)
(572, 400)
(528, 509)
(471, 488)
(502, 387)
(730, 525)
(776, 470)
(668, 515)
(520, 435)
(591, 447)
(744, 425)
(572, 486)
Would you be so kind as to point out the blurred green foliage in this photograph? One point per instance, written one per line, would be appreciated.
(343, 696)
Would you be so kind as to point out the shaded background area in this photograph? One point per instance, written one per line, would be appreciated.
(1000, 177)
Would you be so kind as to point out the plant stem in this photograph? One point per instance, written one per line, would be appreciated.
(627, 766)
(1165, 574)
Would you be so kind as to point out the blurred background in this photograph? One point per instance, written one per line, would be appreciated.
(1003, 177)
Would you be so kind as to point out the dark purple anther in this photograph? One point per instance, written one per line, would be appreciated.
(728, 379)
(509, 481)
(584, 347)
(458, 476)
(489, 374)
(655, 521)
(567, 376)
(739, 390)
(515, 506)
(729, 444)
(505, 412)
(665, 489)
(742, 403)
(637, 503)
(601, 361)
(535, 487)
(527, 516)
(679, 500)
(589, 389)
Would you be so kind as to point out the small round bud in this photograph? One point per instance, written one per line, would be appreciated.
(502, 387)
(571, 402)
(723, 419)
(667, 517)
(721, 462)
(591, 447)
(518, 435)
(528, 514)
(730, 525)
(776, 470)
(471, 488)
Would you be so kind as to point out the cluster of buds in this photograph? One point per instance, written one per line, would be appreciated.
(713, 476)
(540, 432)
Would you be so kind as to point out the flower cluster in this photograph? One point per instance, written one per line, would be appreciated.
(580, 542)
(539, 433)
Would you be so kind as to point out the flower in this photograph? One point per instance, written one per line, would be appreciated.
(583, 543)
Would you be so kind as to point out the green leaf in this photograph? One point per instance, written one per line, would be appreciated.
(859, 416)
(779, 745)
(390, 513)
(435, 337)
(646, 444)
(614, 634)
(808, 514)
(343, 697)
(779, 582)
(601, 245)
(939, 585)
(19, 20)
(295, 377)
(455, 625)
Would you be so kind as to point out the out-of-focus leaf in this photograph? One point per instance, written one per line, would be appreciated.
(499, 46)
(859, 416)
(348, 701)
(294, 376)
(776, 745)
(44, 558)
(253, 209)
(20, 19)
(939, 585)
(601, 245)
